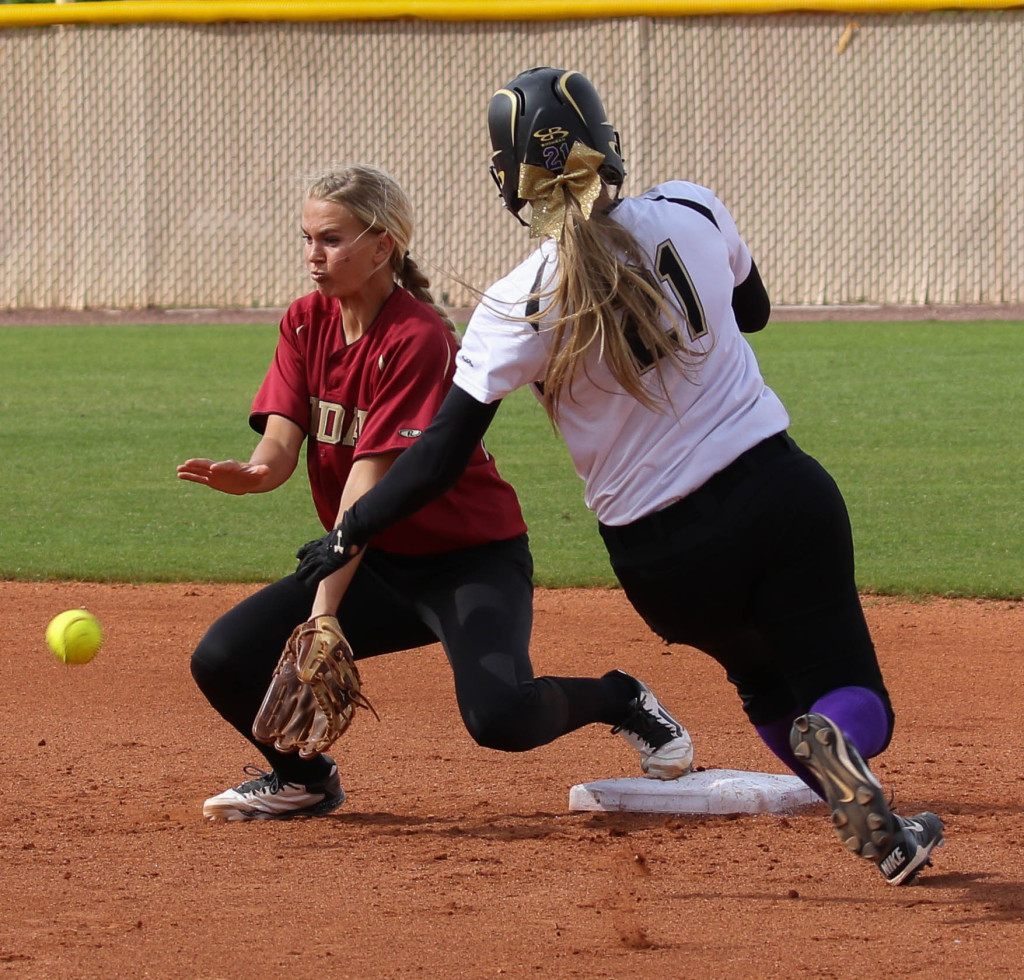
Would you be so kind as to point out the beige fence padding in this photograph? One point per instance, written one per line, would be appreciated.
(163, 164)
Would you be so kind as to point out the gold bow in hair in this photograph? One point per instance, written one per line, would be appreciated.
(544, 189)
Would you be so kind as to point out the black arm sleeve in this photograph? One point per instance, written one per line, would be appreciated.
(750, 302)
(425, 470)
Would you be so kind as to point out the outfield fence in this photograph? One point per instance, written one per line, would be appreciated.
(868, 158)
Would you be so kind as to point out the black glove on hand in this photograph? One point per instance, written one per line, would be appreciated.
(319, 558)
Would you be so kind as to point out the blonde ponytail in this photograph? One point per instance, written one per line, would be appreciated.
(606, 295)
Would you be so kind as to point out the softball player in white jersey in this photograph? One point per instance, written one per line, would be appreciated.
(628, 323)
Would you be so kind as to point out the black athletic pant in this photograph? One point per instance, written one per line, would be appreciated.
(478, 602)
(756, 568)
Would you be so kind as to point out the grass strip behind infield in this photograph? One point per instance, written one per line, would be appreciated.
(919, 423)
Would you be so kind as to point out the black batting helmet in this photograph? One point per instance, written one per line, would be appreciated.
(537, 117)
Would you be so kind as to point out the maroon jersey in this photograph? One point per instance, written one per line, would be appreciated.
(374, 396)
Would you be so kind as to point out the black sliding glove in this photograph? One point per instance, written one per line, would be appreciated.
(319, 558)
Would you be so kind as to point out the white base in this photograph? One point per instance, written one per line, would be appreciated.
(711, 791)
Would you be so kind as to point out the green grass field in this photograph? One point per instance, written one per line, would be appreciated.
(919, 423)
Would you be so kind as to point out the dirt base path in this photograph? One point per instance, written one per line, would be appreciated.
(450, 861)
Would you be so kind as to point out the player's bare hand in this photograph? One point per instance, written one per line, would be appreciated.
(227, 475)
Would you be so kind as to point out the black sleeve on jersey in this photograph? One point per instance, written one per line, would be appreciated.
(424, 471)
(750, 302)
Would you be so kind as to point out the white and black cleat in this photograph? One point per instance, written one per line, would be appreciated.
(664, 746)
(265, 797)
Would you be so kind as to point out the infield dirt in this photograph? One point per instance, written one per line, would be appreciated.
(452, 861)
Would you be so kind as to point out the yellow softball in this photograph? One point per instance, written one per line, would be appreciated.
(74, 636)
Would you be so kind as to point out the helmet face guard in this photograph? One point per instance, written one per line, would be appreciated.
(536, 118)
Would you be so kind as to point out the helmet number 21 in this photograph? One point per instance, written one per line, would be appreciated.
(670, 269)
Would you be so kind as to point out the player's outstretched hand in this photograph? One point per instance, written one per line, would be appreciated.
(228, 475)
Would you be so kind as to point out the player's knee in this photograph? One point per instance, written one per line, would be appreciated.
(504, 733)
(514, 724)
(211, 664)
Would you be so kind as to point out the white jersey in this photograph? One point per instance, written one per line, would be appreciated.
(635, 461)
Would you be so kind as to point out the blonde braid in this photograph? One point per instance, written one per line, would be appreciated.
(412, 278)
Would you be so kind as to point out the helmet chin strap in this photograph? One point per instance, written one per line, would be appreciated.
(492, 170)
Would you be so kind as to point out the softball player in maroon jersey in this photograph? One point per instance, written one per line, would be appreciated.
(628, 323)
(361, 366)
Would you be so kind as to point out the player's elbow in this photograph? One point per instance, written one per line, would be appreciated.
(750, 303)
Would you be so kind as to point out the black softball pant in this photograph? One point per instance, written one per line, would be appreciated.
(756, 568)
(478, 602)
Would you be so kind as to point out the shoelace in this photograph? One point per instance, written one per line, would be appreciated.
(262, 779)
(645, 725)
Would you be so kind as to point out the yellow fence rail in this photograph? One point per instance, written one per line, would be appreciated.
(868, 158)
(297, 11)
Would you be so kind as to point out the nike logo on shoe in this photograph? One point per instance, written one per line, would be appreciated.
(892, 863)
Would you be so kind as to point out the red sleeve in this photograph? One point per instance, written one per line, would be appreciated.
(285, 390)
(415, 374)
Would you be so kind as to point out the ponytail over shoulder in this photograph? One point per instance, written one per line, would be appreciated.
(606, 295)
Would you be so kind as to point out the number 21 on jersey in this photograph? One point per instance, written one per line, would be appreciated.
(669, 268)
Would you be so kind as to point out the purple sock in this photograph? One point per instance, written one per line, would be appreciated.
(776, 737)
(860, 715)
